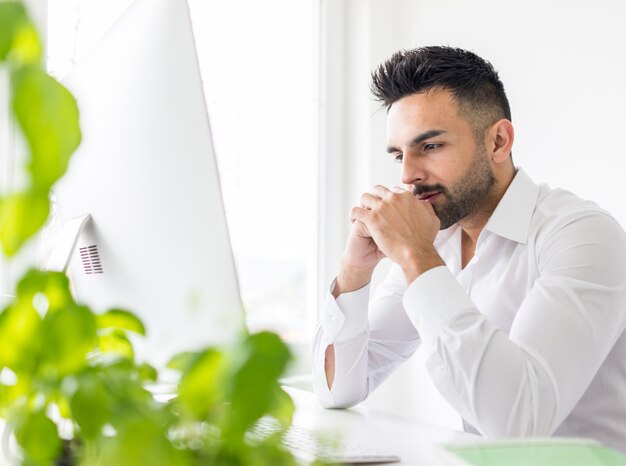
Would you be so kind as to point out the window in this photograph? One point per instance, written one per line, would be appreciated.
(260, 91)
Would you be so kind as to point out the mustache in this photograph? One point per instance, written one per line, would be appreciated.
(421, 189)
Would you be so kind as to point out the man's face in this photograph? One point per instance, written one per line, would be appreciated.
(441, 161)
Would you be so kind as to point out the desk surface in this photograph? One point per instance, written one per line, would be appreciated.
(414, 442)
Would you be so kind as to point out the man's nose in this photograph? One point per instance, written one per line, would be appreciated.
(413, 171)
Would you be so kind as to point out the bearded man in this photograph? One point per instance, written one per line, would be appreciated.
(516, 292)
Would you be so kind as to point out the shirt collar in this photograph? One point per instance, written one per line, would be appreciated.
(512, 216)
(444, 235)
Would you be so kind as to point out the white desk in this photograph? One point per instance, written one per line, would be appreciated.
(414, 442)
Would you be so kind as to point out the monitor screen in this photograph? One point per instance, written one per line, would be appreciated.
(157, 242)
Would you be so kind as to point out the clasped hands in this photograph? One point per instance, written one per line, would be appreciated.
(391, 223)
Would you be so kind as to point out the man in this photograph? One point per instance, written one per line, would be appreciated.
(516, 292)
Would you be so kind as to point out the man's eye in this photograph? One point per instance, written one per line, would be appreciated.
(432, 146)
(398, 158)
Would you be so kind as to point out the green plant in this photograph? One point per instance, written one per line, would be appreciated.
(71, 389)
(48, 118)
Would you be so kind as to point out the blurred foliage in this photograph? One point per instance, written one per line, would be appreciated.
(47, 116)
(71, 390)
(56, 371)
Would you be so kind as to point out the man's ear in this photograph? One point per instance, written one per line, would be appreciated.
(500, 140)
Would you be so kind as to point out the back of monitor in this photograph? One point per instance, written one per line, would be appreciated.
(157, 242)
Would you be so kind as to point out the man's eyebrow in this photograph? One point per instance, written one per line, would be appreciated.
(419, 138)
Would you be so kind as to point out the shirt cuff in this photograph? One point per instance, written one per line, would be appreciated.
(433, 300)
(346, 316)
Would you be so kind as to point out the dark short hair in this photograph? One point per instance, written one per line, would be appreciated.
(473, 82)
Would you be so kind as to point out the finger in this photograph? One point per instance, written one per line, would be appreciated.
(387, 193)
(361, 229)
(370, 201)
(359, 213)
(381, 191)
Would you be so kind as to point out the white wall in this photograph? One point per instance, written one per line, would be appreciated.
(564, 69)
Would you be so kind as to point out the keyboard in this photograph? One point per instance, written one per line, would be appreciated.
(308, 446)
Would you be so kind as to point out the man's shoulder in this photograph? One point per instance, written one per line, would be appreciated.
(577, 234)
(558, 202)
(558, 209)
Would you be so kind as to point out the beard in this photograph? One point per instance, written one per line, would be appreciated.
(468, 195)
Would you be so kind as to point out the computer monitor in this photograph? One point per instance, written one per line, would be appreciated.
(157, 242)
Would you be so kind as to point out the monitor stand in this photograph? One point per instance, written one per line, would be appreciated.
(61, 253)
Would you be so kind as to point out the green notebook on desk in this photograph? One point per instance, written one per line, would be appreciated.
(533, 452)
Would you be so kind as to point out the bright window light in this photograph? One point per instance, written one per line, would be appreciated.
(257, 60)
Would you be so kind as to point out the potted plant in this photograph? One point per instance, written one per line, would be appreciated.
(71, 390)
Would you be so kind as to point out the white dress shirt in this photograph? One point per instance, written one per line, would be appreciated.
(527, 340)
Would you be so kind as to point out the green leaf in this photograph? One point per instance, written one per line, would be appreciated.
(63, 406)
(69, 334)
(20, 330)
(14, 395)
(116, 342)
(39, 438)
(21, 216)
(147, 372)
(53, 285)
(18, 38)
(119, 377)
(11, 15)
(90, 405)
(26, 45)
(270, 451)
(282, 407)
(183, 361)
(205, 383)
(255, 387)
(48, 116)
(119, 318)
(142, 442)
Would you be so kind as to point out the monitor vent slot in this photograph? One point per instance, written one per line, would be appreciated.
(91, 260)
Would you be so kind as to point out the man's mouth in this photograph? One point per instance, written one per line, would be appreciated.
(428, 197)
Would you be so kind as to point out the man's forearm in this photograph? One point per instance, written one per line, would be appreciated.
(351, 278)
(329, 365)
(419, 262)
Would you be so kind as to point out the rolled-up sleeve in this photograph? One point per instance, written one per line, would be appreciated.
(343, 324)
(369, 339)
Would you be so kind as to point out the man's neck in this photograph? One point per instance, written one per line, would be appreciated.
(473, 225)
